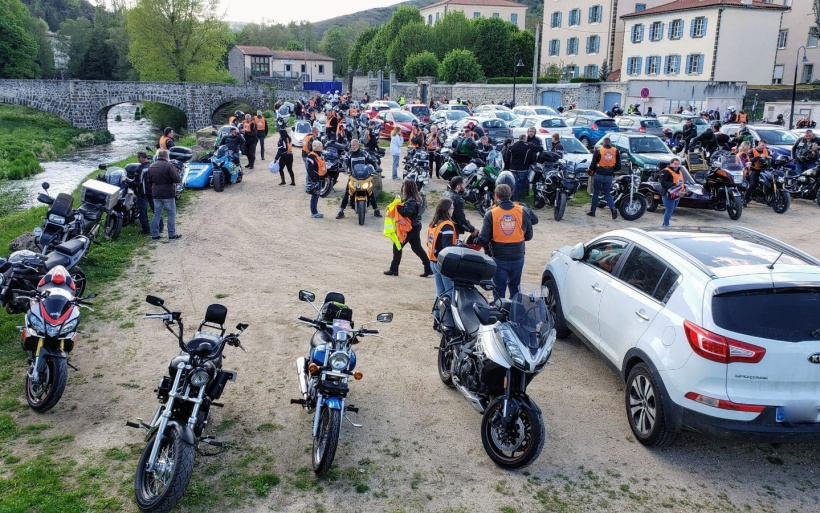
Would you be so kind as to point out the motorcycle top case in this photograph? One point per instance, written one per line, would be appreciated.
(100, 193)
(465, 265)
(180, 153)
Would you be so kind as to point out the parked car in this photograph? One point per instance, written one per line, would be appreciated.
(449, 116)
(544, 126)
(453, 106)
(421, 111)
(491, 107)
(494, 128)
(676, 121)
(640, 125)
(645, 152)
(590, 129)
(505, 115)
(713, 330)
(392, 118)
(374, 108)
(574, 151)
(778, 140)
(299, 131)
(585, 112)
(535, 110)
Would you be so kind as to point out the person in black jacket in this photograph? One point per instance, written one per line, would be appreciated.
(356, 157)
(284, 155)
(708, 140)
(142, 190)
(520, 153)
(411, 209)
(235, 142)
(690, 131)
(606, 160)
(163, 175)
(459, 219)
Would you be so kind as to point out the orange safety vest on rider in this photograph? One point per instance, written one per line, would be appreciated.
(163, 142)
(331, 115)
(677, 177)
(261, 123)
(231, 120)
(755, 153)
(432, 237)
(321, 165)
(248, 127)
(608, 157)
(742, 118)
(432, 144)
(414, 133)
(508, 225)
(306, 143)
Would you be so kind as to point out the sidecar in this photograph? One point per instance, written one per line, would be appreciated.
(198, 175)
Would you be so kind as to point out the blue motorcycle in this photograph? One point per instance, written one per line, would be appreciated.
(323, 375)
(221, 169)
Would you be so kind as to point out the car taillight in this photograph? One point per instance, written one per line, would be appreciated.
(723, 403)
(543, 130)
(719, 348)
(642, 130)
(593, 126)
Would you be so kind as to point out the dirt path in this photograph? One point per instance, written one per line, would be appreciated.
(254, 246)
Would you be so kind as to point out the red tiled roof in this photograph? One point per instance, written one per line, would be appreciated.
(254, 50)
(477, 3)
(300, 55)
(688, 5)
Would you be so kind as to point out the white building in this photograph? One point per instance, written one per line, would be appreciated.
(504, 9)
(702, 40)
(245, 62)
(797, 29)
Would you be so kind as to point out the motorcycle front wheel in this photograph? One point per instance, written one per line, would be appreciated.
(781, 202)
(634, 209)
(361, 210)
(78, 275)
(560, 205)
(326, 440)
(735, 207)
(485, 204)
(161, 489)
(218, 180)
(519, 444)
(43, 394)
(113, 226)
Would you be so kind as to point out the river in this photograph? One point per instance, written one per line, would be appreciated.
(66, 174)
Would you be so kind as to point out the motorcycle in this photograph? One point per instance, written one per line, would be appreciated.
(196, 381)
(417, 168)
(226, 170)
(715, 189)
(479, 178)
(806, 185)
(178, 156)
(125, 212)
(631, 204)
(770, 188)
(323, 375)
(360, 188)
(334, 157)
(24, 269)
(490, 353)
(49, 335)
(553, 183)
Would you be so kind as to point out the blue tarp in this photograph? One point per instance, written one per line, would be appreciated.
(323, 87)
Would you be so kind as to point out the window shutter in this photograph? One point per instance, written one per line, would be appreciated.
(688, 63)
(557, 47)
(640, 35)
(559, 18)
(594, 73)
(669, 34)
(692, 28)
(646, 68)
(705, 19)
(589, 45)
(638, 66)
(677, 64)
(700, 63)
(590, 19)
(660, 32)
(629, 65)
(597, 43)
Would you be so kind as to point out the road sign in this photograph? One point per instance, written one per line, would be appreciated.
(645, 92)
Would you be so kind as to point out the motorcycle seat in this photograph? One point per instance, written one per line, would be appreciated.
(465, 298)
(320, 338)
(71, 247)
(90, 211)
(56, 258)
(810, 173)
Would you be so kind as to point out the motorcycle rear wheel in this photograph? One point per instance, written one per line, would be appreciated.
(735, 208)
(78, 275)
(326, 440)
(43, 395)
(485, 204)
(651, 202)
(361, 210)
(516, 447)
(560, 205)
(163, 488)
(445, 363)
(781, 201)
(327, 186)
(113, 226)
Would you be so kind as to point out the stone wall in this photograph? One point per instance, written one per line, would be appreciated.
(85, 104)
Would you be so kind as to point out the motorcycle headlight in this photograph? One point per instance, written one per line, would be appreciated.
(36, 323)
(339, 360)
(70, 326)
(780, 179)
(357, 185)
(52, 331)
(54, 218)
(199, 377)
(366, 185)
(512, 345)
(569, 174)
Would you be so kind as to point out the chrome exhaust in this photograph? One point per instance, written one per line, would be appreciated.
(300, 372)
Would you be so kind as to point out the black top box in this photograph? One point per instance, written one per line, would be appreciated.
(180, 153)
(464, 265)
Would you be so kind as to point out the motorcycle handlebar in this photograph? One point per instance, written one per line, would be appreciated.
(306, 319)
(368, 332)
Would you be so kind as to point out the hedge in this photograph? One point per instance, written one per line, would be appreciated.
(521, 80)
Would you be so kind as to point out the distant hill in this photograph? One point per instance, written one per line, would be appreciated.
(380, 15)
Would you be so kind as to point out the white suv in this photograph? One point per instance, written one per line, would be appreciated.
(713, 330)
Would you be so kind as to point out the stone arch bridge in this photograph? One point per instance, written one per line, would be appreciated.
(85, 103)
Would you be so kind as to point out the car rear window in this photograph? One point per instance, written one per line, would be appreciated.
(651, 123)
(606, 123)
(420, 111)
(787, 314)
(698, 121)
(545, 111)
(553, 123)
(494, 123)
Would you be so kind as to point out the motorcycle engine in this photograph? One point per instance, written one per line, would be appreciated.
(471, 196)
(468, 374)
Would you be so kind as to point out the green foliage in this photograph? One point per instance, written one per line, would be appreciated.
(162, 116)
(336, 43)
(374, 55)
(362, 40)
(18, 49)
(262, 34)
(97, 49)
(178, 40)
(55, 12)
(583, 80)
(460, 66)
(495, 44)
(604, 71)
(424, 64)
(294, 45)
(44, 61)
(412, 38)
(453, 31)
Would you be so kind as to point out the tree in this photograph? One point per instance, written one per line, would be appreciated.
(294, 45)
(18, 49)
(44, 62)
(336, 43)
(453, 31)
(374, 55)
(413, 38)
(262, 34)
(424, 64)
(460, 66)
(604, 71)
(178, 40)
(492, 46)
(522, 42)
(362, 40)
(75, 41)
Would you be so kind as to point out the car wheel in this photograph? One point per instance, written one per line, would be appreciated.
(554, 305)
(644, 408)
(585, 141)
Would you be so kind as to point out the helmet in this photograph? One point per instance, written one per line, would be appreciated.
(732, 108)
(415, 123)
(667, 132)
(239, 114)
(505, 177)
(703, 113)
(469, 125)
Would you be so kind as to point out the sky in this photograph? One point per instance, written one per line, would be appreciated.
(285, 11)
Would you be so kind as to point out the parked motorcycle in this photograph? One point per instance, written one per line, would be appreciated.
(324, 374)
(225, 169)
(49, 335)
(334, 158)
(196, 381)
(178, 156)
(418, 170)
(125, 211)
(631, 204)
(360, 189)
(553, 182)
(770, 188)
(806, 186)
(490, 353)
(479, 177)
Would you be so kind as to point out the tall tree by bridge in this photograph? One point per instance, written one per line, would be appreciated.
(18, 49)
(178, 40)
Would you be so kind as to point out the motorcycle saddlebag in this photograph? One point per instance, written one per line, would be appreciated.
(180, 153)
(334, 310)
(448, 171)
(464, 265)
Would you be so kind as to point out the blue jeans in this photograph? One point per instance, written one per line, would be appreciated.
(396, 159)
(602, 186)
(507, 274)
(142, 207)
(314, 204)
(170, 206)
(669, 205)
(443, 283)
(522, 185)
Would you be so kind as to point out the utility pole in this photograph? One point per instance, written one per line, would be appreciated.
(535, 62)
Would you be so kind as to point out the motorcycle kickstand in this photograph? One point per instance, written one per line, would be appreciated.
(354, 410)
(73, 367)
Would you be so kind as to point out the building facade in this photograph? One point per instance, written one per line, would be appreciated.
(798, 29)
(702, 40)
(508, 11)
(246, 62)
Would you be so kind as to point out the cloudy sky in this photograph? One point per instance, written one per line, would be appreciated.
(283, 11)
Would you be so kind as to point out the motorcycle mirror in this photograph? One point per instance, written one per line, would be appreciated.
(384, 317)
(154, 300)
(306, 295)
(241, 326)
(487, 285)
(577, 252)
(46, 185)
(624, 155)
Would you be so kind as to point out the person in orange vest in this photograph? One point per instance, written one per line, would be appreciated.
(308, 141)
(605, 162)
(261, 132)
(284, 155)
(166, 142)
(416, 136)
(341, 133)
(507, 226)
(411, 209)
(331, 124)
(248, 131)
(433, 146)
(316, 171)
(671, 180)
(759, 158)
(441, 233)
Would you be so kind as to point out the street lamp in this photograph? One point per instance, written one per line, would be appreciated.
(518, 64)
(794, 86)
(350, 78)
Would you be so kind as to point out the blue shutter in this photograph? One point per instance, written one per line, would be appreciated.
(665, 63)
(688, 63)
(560, 14)
(700, 63)
(705, 19)
(557, 47)
(669, 34)
(589, 40)
(692, 28)
(640, 36)
(594, 73)
(629, 65)
(638, 66)
(677, 64)
(597, 43)
(646, 69)
(660, 32)
(589, 19)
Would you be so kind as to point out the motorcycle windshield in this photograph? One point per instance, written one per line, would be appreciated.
(494, 159)
(530, 321)
(361, 172)
(55, 306)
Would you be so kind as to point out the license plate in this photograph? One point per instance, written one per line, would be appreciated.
(797, 415)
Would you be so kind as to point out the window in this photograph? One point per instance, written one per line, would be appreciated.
(633, 65)
(572, 46)
(571, 71)
(555, 47)
(694, 64)
(653, 65)
(783, 314)
(676, 29)
(637, 33)
(574, 17)
(812, 38)
(671, 65)
(656, 31)
(555, 20)
(782, 37)
(496, 15)
(649, 274)
(288, 67)
(429, 19)
(321, 69)
(697, 27)
(777, 76)
(808, 71)
(591, 71)
(605, 255)
(596, 12)
(593, 44)
(514, 19)
(640, 7)
(476, 14)
(437, 17)
(262, 65)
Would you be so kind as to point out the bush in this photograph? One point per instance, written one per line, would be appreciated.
(584, 80)
(103, 137)
(424, 64)
(22, 165)
(460, 66)
(268, 114)
(117, 118)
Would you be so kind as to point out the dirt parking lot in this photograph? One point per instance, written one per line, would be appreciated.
(254, 246)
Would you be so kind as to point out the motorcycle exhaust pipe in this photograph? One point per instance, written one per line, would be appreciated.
(301, 362)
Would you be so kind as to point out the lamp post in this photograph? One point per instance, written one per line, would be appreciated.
(794, 86)
(350, 78)
(518, 64)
